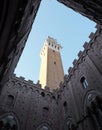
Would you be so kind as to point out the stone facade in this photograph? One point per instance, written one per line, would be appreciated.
(76, 105)
(15, 24)
(88, 8)
(31, 105)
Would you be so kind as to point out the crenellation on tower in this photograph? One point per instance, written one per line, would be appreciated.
(53, 44)
(77, 103)
(51, 70)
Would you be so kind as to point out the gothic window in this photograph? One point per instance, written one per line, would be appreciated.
(10, 100)
(44, 127)
(8, 123)
(84, 82)
(70, 124)
(93, 108)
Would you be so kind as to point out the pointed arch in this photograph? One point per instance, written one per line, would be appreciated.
(9, 121)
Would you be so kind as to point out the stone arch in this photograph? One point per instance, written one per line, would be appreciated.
(37, 92)
(70, 124)
(10, 100)
(31, 89)
(9, 121)
(12, 82)
(48, 96)
(89, 97)
(93, 108)
(44, 126)
(25, 88)
(43, 94)
(19, 85)
(45, 111)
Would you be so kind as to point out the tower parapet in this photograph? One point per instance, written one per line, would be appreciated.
(51, 70)
(52, 44)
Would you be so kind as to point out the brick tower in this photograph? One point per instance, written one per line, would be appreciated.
(51, 70)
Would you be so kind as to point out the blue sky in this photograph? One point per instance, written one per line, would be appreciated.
(58, 21)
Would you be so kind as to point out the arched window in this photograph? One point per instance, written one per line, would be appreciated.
(8, 123)
(44, 127)
(84, 82)
(45, 111)
(43, 94)
(70, 124)
(10, 100)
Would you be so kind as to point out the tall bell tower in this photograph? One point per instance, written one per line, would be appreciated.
(51, 70)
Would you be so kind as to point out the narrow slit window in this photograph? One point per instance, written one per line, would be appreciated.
(65, 106)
